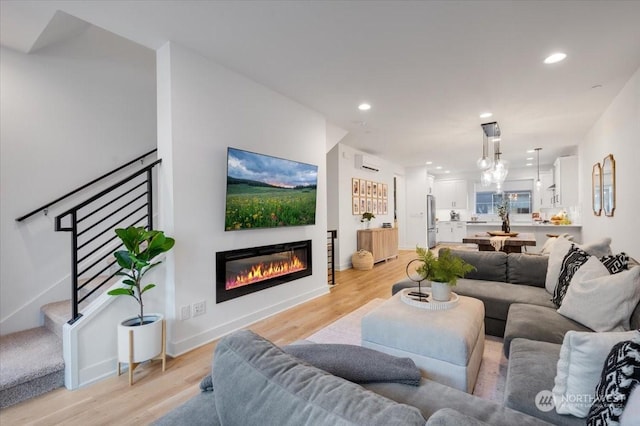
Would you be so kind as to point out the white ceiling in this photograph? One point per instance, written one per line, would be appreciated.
(428, 68)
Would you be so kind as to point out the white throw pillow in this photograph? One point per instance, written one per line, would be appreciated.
(601, 301)
(582, 356)
(559, 251)
(631, 412)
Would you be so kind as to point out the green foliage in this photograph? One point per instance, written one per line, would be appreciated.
(251, 207)
(367, 216)
(142, 247)
(446, 268)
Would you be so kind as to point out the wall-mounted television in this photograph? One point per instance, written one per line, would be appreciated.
(268, 192)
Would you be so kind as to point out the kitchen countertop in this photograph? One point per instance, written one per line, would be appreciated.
(523, 225)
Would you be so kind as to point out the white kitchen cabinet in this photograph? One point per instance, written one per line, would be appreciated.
(565, 181)
(450, 232)
(544, 197)
(451, 194)
(444, 232)
(459, 231)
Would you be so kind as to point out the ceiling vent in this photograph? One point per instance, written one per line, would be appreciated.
(366, 163)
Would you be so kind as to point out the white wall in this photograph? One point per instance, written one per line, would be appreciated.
(70, 112)
(203, 108)
(616, 132)
(416, 207)
(348, 223)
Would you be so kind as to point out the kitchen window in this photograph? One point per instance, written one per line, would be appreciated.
(488, 202)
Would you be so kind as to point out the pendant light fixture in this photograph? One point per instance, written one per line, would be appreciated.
(493, 171)
(485, 161)
(538, 181)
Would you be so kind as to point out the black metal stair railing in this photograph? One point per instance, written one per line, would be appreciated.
(331, 256)
(128, 202)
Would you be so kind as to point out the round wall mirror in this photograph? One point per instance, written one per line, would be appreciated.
(609, 185)
(596, 189)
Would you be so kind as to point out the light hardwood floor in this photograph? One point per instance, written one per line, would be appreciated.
(113, 402)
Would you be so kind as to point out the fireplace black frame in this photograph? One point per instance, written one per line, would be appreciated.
(222, 294)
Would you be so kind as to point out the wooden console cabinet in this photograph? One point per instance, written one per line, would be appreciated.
(381, 242)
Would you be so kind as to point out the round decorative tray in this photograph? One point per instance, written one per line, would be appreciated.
(432, 305)
(502, 234)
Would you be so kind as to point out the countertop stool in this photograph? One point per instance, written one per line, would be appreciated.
(446, 345)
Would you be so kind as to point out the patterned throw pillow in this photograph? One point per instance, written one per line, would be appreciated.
(573, 260)
(621, 373)
(615, 262)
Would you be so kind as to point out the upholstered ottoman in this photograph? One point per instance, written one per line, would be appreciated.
(446, 345)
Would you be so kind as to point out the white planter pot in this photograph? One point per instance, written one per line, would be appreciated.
(440, 291)
(147, 338)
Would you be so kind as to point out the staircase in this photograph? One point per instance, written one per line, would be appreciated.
(31, 361)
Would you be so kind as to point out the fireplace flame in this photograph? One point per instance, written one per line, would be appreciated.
(262, 271)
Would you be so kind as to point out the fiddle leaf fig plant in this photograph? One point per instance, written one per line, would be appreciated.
(141, 247)
(446, 268)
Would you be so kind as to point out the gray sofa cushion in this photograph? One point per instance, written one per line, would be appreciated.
(357, 364)
(537, 323)
(432, 396)
(532, 369)
(258, 383)
(449, 417)
(497, 296)
(490, 265)
(529, 269)
(198, 411)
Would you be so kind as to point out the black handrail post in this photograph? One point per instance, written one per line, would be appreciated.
(150, 199)
(74, 267)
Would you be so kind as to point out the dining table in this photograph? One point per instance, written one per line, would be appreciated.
(512, 243)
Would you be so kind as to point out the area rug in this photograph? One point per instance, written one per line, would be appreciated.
(493, 370)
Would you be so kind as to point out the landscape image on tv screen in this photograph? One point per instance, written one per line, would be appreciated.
(268, 192)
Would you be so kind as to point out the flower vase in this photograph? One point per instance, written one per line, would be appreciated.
(506, 228)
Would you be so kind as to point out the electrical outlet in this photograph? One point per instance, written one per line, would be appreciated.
(199, 308)
(185, 312)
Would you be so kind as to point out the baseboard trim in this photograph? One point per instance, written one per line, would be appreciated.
(175, 349)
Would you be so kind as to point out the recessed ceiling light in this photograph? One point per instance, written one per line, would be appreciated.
(529, 158)
(529, 164)
(486, 115)
(364, 107)
(529, 151)
(447, 171)
(439, 168)
(556, 57)
(429, 163)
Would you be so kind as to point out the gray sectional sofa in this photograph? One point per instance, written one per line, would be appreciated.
(255, 382)
(519, 308)
(258, 383)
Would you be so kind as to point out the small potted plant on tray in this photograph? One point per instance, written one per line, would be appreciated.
(443, 271)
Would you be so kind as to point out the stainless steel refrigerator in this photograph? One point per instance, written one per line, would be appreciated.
(431, 221)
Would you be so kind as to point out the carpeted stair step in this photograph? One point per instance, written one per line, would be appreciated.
(58, 313)
(31, 364)
(55, 315)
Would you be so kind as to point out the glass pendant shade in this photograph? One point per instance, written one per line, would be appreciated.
(485, 178)
(484, 163)
(538, 184)
(500, 171)
(494, 170)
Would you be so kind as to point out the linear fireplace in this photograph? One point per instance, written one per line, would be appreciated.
(243, 271)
